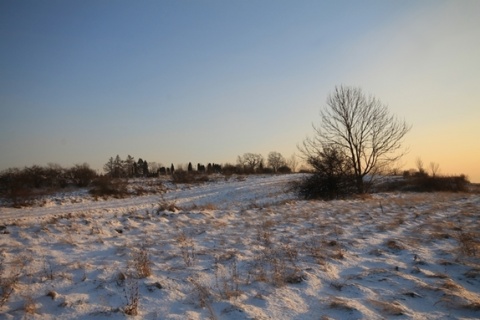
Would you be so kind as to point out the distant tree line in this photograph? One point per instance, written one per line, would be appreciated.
(20, 184)
(128, 168)
(255, 163)
(248, 163)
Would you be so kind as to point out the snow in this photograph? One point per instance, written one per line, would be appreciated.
(242, 248)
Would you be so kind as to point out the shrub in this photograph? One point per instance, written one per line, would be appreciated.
(332, 178)
(181, 176)
(105, 186)
(284, 169)
(425, 183)
(441, 183)
(15, 188)
(81, 174)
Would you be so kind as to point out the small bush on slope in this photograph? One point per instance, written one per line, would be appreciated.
(106, 186)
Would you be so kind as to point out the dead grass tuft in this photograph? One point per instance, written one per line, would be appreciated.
(204, 297)
(141, 263)
(468, 243)
(390, 308)
(455, 301)
(29, 305)
(449, 284)
(165, 205)
(340, 304)
(394, 245)
(132, 296)
(227, 278)
(8, 279)
(187, 249)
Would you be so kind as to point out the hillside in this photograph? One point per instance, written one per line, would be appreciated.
(242, 248)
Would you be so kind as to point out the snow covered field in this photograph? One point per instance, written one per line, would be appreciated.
(242, 248)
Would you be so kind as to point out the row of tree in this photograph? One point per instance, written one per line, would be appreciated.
(247, 163)
(128, 168)
(51, 176)
(254, 162)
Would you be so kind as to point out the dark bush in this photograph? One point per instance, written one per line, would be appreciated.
(105, 186)
(322, 186)
(332, 178)
(438, 183)
(181, 176)
(16, 188)
(266, 171)
(81, 175)
(426, 183)
(284, 169)
(229, 169)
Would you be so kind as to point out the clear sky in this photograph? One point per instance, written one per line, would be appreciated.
(206, 81)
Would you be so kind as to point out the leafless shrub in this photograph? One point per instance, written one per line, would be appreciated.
(132, 297)
(277, 265)
(141, 263)
(264, 232)
(227, 278)
(315, 248)
(48, 269)
(166, 205)
(7, 282)
(106, 186)
(187, 249)
(204, 297)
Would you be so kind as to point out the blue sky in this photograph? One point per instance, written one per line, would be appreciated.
(205, 81)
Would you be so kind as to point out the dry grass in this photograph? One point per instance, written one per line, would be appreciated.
(227, 278)
(29, 305)
(187, 249)
(340, 304)
(394, 245)
(165, 205)
(389, 308)
(141, 263)
(456, 301)
(132, 297)
(469, 243)
(203, 296)
(8, 282)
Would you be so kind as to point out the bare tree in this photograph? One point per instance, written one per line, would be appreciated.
(276, 160)
(420, 167)
(434, 168)
(293, 162)
(250, 161)
(362, 129)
